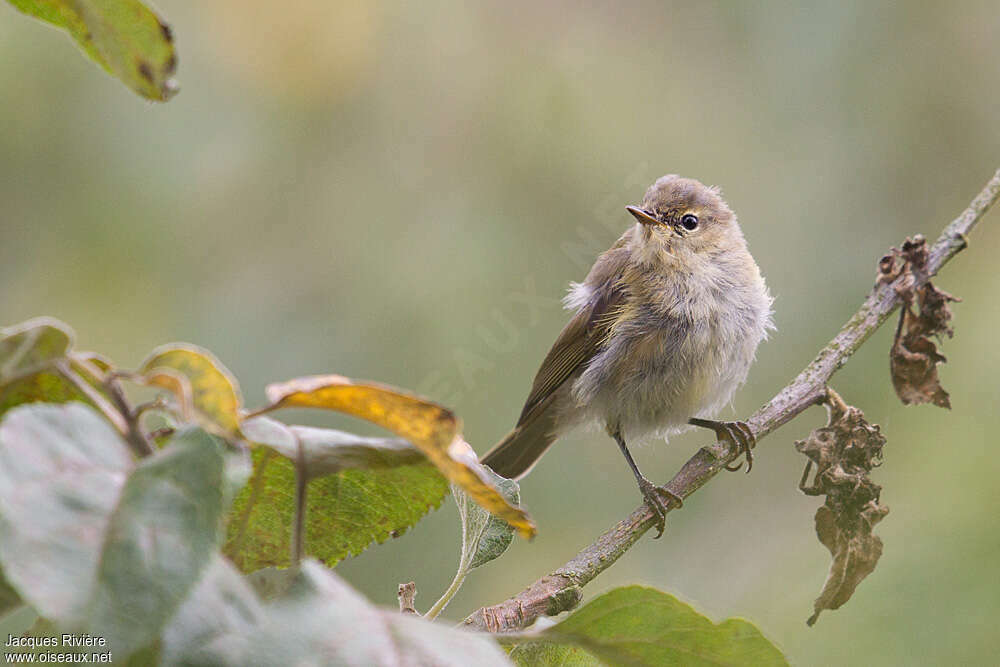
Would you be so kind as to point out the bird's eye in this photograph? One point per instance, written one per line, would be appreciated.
(690, 222)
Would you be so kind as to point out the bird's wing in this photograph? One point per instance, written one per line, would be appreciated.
(583, 336)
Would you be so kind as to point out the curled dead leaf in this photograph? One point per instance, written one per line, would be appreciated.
(199, 381)
(844, 453)
(913, 358)
(433, 429)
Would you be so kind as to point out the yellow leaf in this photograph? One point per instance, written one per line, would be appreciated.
(433, 429)
(198, 380)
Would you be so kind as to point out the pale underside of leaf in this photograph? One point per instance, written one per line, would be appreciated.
(361, 491)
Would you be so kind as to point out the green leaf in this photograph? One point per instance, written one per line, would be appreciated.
(552, 655)
(485, 536)
(123, 36)
(31, 346)
(44, 386)
(213, 625)
(321, 620)
(162, 536)
(9, 599)
(634, 625)
(348, 509)
(30, 354)
(62, 468)
(92, 547)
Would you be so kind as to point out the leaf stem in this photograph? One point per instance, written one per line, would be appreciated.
(449, 593)
(110, 413)
(301, 486)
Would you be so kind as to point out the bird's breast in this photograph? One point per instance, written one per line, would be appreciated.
(675, 352)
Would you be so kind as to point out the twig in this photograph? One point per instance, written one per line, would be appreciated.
(561, 590)
(407, 593)
(136, 439)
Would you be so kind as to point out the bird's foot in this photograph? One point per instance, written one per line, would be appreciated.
(737, 434)
(654, 496)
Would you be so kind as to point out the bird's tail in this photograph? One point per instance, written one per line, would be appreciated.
(514, 456)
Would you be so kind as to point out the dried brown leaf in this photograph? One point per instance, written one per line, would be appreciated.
(913, 358)
(844, 452)
(855, 554)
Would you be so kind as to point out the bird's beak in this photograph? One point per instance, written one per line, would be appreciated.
(642, 216)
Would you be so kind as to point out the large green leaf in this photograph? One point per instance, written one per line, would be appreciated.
(161, 537)
(347, 508)
(322, 620)
(93, 545)
(317, 619)
(635, 625)
(123, 36)
(215, 622)
(62, 468)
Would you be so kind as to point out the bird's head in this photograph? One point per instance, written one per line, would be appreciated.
(684, 214)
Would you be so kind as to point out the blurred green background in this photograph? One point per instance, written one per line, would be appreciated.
(402, 192)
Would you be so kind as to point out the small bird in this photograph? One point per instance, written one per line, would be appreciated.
(665, 327)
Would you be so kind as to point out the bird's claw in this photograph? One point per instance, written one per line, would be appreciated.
(740, 437)
(654, 499)
(737, 435)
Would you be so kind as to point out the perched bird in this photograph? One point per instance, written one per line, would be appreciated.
(665, 328)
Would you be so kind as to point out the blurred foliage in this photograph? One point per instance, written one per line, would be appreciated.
(411, 201)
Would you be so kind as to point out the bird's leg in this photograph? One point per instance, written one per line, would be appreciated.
(737, 434)
(649, 491)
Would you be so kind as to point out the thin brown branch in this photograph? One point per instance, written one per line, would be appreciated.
(136, 439)
(561, 590)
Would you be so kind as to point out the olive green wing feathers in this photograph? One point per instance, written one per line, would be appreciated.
(583, 336)
(581, 339)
